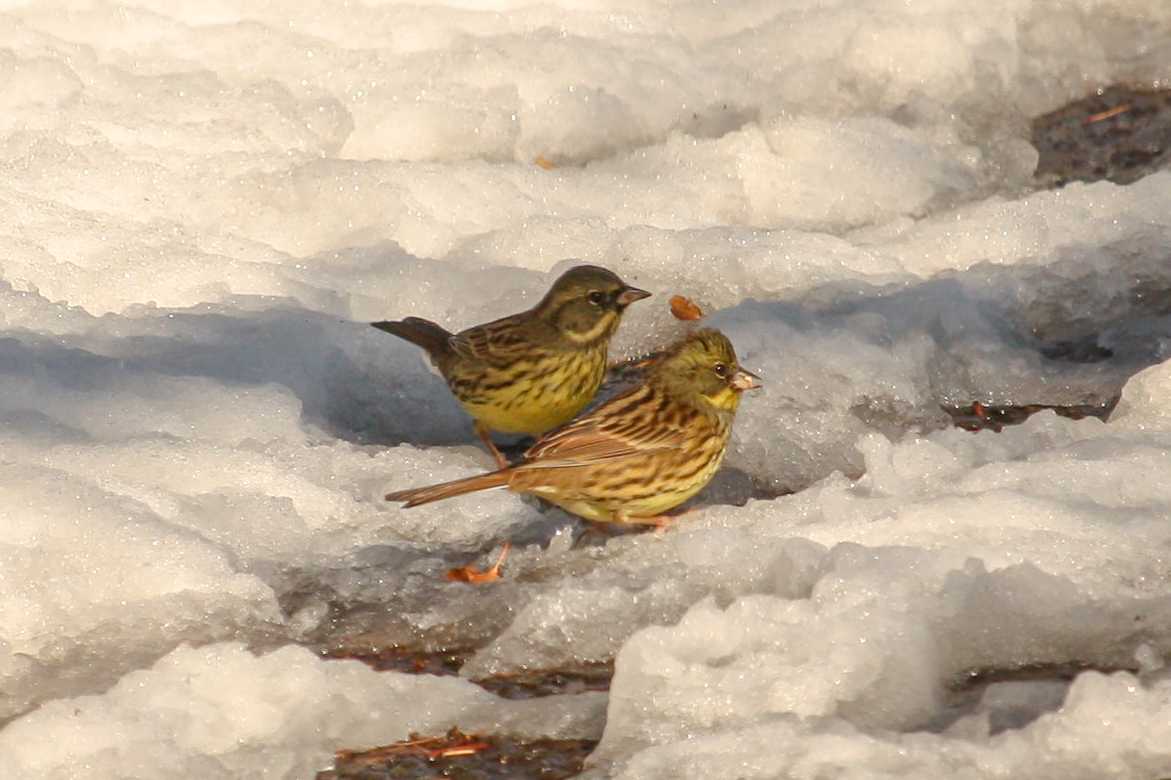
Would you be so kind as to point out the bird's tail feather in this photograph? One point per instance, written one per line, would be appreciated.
(424, 333)
(426, 495)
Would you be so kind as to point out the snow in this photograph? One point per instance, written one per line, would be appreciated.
(203, 204)
(178, 718)
(1088, 737)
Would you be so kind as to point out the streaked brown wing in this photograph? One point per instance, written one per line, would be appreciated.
(619, 428)
(497, 343)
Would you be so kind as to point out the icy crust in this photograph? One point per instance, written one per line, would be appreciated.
(1041, 545)
(836, 616)
(94, 584)
(533, 219)
(1108, 726)
(1047, 547)
(252, 148)
(832, 620)
(160, 468)
(893, 346)
(516, 80)
(219, 711)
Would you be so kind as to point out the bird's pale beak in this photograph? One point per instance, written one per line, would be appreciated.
(630, 295)
(745, 380)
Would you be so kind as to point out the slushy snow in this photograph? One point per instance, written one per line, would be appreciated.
(202, 205)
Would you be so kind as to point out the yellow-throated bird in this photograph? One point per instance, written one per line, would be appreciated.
(530, 372)
(639, 454)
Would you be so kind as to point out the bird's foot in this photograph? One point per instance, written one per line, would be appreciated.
(486, 437)
(659, 522)
(474, 576)
(501, 461)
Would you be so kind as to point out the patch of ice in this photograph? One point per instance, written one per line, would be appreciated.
(276, 715)
(1093, 734)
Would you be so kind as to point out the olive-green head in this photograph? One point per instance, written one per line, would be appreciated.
(703, 369)
(586, 302)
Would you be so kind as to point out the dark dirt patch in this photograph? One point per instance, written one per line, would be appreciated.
(1120, 133)
(463, 756)
(978, 679)
(547, 682)
(443, 663)
(966, 691)
(978, 417)
(447, 663)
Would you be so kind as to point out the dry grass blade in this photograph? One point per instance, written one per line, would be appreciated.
(1101, 115)
(453, 744)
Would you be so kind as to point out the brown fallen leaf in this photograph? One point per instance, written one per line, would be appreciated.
(474, 576)
(685, 309)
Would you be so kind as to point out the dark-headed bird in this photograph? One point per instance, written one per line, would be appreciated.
(530, 372)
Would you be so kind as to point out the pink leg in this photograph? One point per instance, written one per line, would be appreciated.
(660, 522)
(486, 437)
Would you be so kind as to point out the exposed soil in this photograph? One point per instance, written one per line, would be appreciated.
(1120, 133)
(447, 663)
(465, 757)
(443, 663)
(979, 417)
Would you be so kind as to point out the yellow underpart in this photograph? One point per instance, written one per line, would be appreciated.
(631, 511)
(530, 419)
(556, 391)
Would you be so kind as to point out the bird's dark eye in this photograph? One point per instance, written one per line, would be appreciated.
(596, 298)
(721, 370)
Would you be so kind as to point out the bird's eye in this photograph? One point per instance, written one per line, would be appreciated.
(596, 298)
(721, 370)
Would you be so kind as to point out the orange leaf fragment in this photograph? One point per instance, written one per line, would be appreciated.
(685, 309)
(544, 162)
(474, 576)
(470, 749)
(1098, 117)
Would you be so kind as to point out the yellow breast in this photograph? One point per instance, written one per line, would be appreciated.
(632, 488)
(535, 396)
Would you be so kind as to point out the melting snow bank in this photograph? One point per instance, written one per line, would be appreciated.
(827, 631)
(221, 712)
(201, 207)
(1108, 726)
(1045, 546)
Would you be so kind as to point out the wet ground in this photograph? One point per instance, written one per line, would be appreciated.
(463, 757)
(979, 417)
(1119, 133)
(448, 662)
